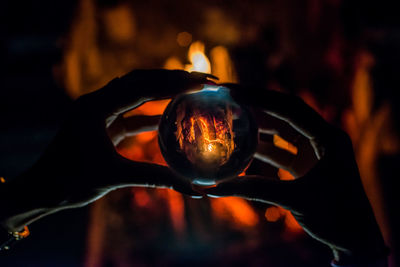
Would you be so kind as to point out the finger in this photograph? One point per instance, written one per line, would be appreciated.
(202, 74)
(257, 166)
(128, 173)
(297, 164)
(257, 188)
(289, 108)
(279, 158)
(305, 159)
(268, 124)
(138, 124)
(125, 127)
(140, 86)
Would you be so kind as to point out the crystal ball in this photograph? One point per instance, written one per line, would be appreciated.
(207, 137)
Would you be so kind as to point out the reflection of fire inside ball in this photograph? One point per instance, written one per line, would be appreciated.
(205, 136)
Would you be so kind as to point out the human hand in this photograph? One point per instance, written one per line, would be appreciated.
(327, 198)
(81, 164)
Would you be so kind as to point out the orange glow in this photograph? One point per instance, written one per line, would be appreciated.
(362, 88)
(285, 175)
(291, 223)
(177, 210)
(133, 152)
(150, 108)
(184, 39)
(119, 24)
(141, 197)
(282, 143)
(23, 234)
(222, 65)
(157, 158)
(198, 59)
(236, 210)
(2, 180)
(273, 214)
(371, 133)
(146, 137)
(173, 63)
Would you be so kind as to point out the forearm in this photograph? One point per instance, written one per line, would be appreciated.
(16, 222)
(22, 204)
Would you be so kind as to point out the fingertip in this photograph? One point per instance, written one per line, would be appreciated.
(202, 75)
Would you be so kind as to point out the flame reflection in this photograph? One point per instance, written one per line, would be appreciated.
(206, 139)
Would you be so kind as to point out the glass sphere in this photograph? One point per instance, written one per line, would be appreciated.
(205, 136)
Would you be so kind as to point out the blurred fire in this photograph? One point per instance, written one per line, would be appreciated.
(234, 209)
(176, 207)
(274, 214)
(141, 197)
(199, 61)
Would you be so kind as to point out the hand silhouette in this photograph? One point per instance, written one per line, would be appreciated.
(327, 198)
(81, 164)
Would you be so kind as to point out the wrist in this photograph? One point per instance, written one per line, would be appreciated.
(360, 258)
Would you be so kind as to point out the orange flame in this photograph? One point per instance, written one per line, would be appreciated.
(274, 214)
(199, 61)
(176, 210)
(235, 210)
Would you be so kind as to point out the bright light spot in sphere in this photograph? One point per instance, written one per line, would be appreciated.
(210, 147)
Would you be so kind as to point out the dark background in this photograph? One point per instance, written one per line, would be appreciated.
(309, 47)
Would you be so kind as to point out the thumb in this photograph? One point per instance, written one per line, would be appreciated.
(257, 188)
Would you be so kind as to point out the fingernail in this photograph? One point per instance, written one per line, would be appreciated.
(196, 197)
(213, 196)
